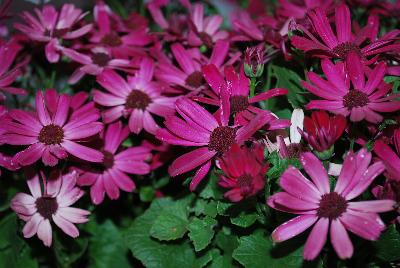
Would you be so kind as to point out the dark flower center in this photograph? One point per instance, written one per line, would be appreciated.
(239, 103)
(46, 206)
(331, 206)
(221, 139)
(57, 33)
(137, 100)
(206, 39)
(294, 150)
(108, 159)
(343, 49)
(51, 134)
(195, 79)
(245, 182)
(112, 39)
(100, 59)
(355, 98)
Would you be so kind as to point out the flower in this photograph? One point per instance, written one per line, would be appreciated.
(345, 41)
(244, 171)
(52, 27)
(8, 53)
(322, 131)
(361, 101)
(94, 63)
(204, 30)
(389, 158)
(51, 205)
(189, 76)
(235, 90)
(53, 131)
(110, 175)
(298, 9)
(328, 210)
(106, 35)
(254, 61)
(291, 147)
(200, 129)
(137, 98)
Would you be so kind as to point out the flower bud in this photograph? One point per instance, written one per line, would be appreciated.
(254, 61)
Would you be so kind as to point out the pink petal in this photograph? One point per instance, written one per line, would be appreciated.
(377, 206)
(114, 83)
(74, 215)
(122, 180)
(199, 176)
(190, 161)
(316, 170)
(183, 58)
(213, 77)
(84, 131)
(44, 232)
(97, 191)
(343, 23)
(149, 124)
(196, 114)
(317, 239)
(136, 121)
(366, 225)
(67, 227)
(356, 70)
(82, 152)
(30, 155)
(340, 240)
(34, 186)
(286, 202)
(293, 227)
(51, 50)
(293, 182)
(31, 227)
(43, 115)
(110, 187)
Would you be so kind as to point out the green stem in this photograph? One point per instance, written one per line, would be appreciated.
(253, 84)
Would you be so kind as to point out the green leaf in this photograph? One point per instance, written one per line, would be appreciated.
(205, 207)
(222, 208)
(147, 194)
(290, 80)
(244, 219)
(257, 251)
(388, 245)
(106, 247)
(211, 190)
(201, 232)
(14, 251)
(155, 254)
(171, 223)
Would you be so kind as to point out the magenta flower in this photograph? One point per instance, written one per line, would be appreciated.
(110, 176)
(298, 9)
(199, 128)
(53, 131)
(138, 98)
(189, 75)
(322, 131)
(244, 172)
(94, 63)
(236, 87)
(361, 101)
(328, 210)
(120, 45)
(8, 53)
(204, 30)
(51, 205)
(326, 43)
(52, 27)
(389, 158)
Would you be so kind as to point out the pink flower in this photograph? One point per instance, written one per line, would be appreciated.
(328, 210)
(235, 90)
(120, 45)
(199, 128)
(326, 43)
(389, 158)
(138, 98)
(244, 171)
(298, 9)
(8, 53)
(322, 131)
(98, 60)
(41, 208)
(53, 131)
(204, 30)
(52, 27)
(361, 101)
(188, 74)
(110, 176)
